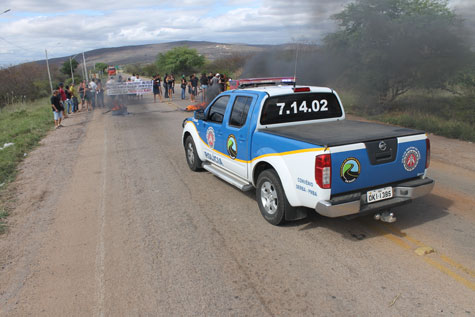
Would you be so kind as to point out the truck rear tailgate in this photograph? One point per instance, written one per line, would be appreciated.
(364, 155)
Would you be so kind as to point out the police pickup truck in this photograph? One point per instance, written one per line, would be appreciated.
(294, 146)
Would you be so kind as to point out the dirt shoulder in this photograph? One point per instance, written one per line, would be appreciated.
(42, 179)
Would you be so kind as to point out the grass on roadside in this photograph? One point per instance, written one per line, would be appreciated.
(451, 128)
(24, 125)
(436, 112)
(3, 227)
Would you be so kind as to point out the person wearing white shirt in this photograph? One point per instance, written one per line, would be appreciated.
(92, 92)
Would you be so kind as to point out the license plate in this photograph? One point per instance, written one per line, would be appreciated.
(379, 194)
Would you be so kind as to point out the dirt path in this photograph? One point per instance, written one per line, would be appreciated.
(110, 221)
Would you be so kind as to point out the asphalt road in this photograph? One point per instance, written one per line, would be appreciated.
(125, 228)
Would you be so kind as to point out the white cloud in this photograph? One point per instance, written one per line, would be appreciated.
(67, 27)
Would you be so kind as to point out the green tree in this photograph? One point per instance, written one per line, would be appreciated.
(150, 69)
(388, 47)
(231, 65)
(67, 65)
(180, 60)
(101, 66)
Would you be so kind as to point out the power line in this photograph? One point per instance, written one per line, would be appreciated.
(17, 46)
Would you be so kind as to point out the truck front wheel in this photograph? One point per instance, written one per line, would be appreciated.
(192, 157)
(271, 197)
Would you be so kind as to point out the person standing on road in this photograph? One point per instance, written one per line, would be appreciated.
(156, 82)
(69, 107)
(222, 83)
(100, 94)
(165, 85)
(74, 97)
(194, 86)
(57, 109)
(215, 80)
(173, 83)
(204, 86)
(183, 87)
(63, 97)
(210, 77)
(139, 89)
(82, 94)
(92, 93)
(170, 81)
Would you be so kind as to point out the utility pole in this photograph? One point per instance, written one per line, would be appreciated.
(49, 74)
(71, 66)
(85, 68)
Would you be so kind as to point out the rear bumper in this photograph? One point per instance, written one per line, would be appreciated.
(356, 203)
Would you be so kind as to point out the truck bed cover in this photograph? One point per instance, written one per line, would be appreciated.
(340, 132)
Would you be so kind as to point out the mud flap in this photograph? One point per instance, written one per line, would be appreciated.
(296, 213)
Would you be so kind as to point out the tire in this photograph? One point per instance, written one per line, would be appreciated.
(191, 155)
(271, 197)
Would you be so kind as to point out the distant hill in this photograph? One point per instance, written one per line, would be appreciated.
(148, 53)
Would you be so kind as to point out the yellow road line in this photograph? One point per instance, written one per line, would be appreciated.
(450, 273)
(443, 257)
(396, 236)
(457, 265)
(391, 237)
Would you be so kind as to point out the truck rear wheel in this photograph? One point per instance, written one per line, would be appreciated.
(192, 157)
(271, 197)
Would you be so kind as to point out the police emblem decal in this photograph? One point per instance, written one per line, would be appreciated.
(210, 137)
(411, 158)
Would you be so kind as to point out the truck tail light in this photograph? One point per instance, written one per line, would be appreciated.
(427, 153)
(323, 170)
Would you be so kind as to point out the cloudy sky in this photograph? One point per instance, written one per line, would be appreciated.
(66, 27)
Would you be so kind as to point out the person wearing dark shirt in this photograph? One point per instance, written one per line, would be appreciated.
(170, 82)
(165, 85)
(183, 87)
(204, 85)
(194, 87)
(57, 108)
(222, 82)
(156, 88)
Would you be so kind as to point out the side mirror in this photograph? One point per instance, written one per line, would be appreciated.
(199, 115)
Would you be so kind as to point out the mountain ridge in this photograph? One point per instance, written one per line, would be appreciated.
(147, 53)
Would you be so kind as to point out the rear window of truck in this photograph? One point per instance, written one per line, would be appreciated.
(300, 107)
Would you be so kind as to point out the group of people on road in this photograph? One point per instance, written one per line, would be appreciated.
(194, 85)
(92, 94)
(64, 100)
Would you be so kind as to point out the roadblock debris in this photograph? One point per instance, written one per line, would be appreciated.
(424, 250)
